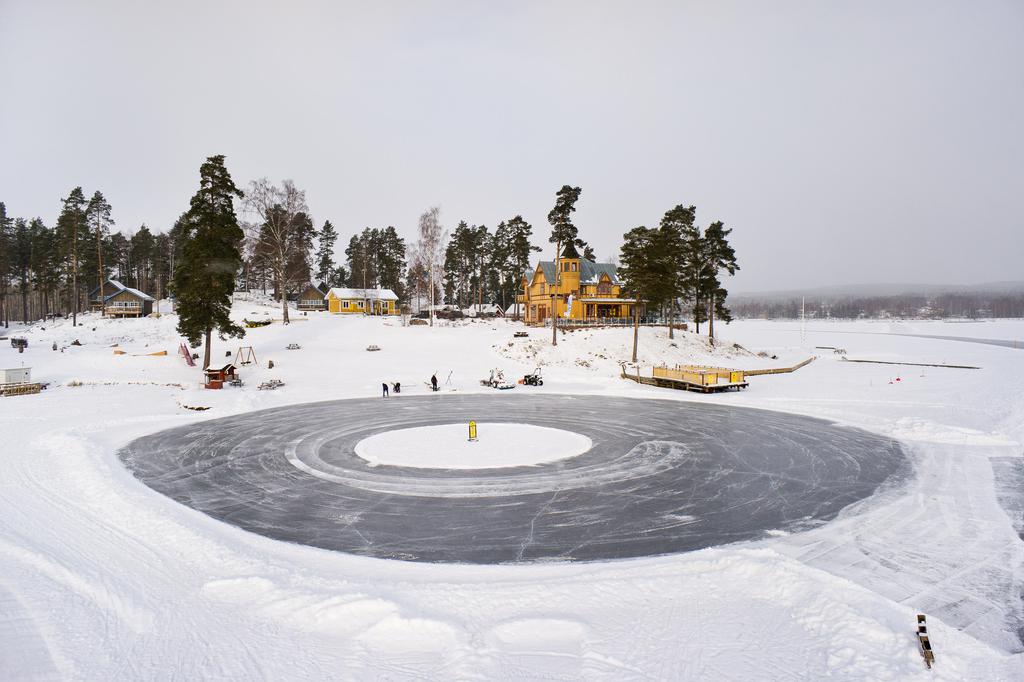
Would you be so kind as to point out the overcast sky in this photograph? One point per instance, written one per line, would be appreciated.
(843, 141)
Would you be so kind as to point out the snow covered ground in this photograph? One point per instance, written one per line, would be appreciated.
(102, 578)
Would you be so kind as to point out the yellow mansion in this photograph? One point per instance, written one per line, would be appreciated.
(587, 290)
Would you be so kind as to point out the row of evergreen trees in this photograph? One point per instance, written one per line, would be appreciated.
(50, 269)
(674, 266)
(484, 267)
(678, 263)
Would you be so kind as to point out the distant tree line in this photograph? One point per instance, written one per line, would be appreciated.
(673, 269)
(50, 269)
(973, 305)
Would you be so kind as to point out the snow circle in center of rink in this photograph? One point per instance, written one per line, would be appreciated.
(448, 446)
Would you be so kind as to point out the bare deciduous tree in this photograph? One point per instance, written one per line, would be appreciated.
(430, 249)
(282, 234)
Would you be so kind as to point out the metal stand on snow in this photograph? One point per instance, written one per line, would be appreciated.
(924, 642)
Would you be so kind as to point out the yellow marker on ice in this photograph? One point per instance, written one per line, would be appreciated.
(472, 431)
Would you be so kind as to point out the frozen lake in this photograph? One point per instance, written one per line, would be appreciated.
(660, 477)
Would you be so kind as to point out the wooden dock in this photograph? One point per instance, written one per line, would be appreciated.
(778, 370)
(20, 389)
(682, 385)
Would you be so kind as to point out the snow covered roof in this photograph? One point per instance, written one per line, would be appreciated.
(361, 294)
(482, 309)
(136, 292)
(120, 289)
(590, 272)
(117, 285)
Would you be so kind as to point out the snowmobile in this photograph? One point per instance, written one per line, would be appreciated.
(534, 379)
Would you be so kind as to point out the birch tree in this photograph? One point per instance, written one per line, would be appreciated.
(430, 249)
(283, 233)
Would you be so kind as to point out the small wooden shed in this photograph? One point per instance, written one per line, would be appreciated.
(216, 376)
(16, 375)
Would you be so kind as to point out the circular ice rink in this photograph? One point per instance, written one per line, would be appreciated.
(552, 477)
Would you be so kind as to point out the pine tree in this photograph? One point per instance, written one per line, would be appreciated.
(562, 232)
(47, 265)
(204, 277)
(142, 246)
(324, 258)
(513, 249)
(719, 256)
(22, 262)
(460, 264)
(97, 216)
(695, 282)
(391, 261)
(362, 261)
(72, 225)
(337, 277)
(638, 270)
(6, 247)
(672, 252)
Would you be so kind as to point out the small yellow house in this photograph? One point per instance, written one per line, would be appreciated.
(584, 289)
(362, 301)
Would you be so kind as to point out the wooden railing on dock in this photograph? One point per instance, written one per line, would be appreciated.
(779, 370)
(666, 380)
(20, 389)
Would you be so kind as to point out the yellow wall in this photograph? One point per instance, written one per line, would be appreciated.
(539, 293)
(358, 306)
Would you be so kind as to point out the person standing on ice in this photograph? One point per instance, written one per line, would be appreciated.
(385, 387)
(433, 382)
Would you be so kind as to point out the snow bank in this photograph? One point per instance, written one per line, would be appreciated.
(101, 578)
